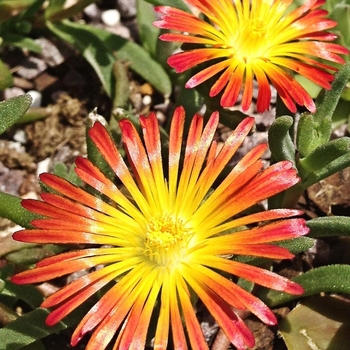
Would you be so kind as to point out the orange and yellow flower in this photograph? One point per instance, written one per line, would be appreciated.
(164, 236)
(259, 39)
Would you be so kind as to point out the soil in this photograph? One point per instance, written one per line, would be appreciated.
(70, 90)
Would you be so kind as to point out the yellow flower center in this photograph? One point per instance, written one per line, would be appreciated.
(167, 240)
(250, 42)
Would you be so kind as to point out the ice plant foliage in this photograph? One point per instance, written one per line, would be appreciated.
(259, 39)
(164, 237)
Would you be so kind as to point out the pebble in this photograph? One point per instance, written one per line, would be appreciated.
(13, 92)
(127, 8)
(50, 52)
(31, 67)
(147, 100)
(93, 12)
(37, 98)
(43, 166)
(110, 17)
(20, 136)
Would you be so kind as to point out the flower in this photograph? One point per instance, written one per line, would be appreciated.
(164, 236)
(254, 39)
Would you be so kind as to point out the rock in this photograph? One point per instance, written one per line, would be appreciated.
(31, 67)
(127, 8)
(110, 17)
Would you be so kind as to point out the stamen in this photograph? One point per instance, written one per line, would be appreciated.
(167, 240)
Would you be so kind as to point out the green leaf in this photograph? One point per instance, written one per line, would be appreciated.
(180, 4)
(312, 88)
(32, 254)
(315, 129)
(12, 209)
(53, 7)
(7, 314)
(29, 328)
(325, 154)
(341, 14)
(22, 42)
(122, 90)
(27, 293)
(295, 246)
(329, 226)
(62, 171)
(6, 79)
(280, 142)
(57, 14)
(312, 132)
(137, 59)
(11, 110)
(319, 323)
(8, 6)
(326, 103)
(98, 45)
(342, 112)
(6, 271)
(92, 48)
(148, 32)
(191, 100)
(9, 245)
(331, 278)
(2, 285)
(94, 155)
(338, 164)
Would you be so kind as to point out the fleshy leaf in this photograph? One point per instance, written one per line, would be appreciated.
(280, 142)
(295, 246)
(122, 90)
(327, 102)
(6, 79)
(31, 327)
(312, 132)
(22, 42)
(331, 168)
(11, 110)
(331, 278)
(12, 209)
(102, 48)
(29, 294)
(148, 32)
(323, 155)
(329, 226)
(315, 129)
(56, 12)
(91, 46)
(320, 323)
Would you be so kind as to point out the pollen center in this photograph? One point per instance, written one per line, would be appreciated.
(166, 240)
(250, 42)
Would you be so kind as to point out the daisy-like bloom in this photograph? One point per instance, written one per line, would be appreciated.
(254, 39)
(164, 237)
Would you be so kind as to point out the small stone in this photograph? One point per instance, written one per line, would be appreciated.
(37, 98)
(52, 55)
(93, 12)
(22, 83)
(43, 166)
(127, 8)
(31, 67)
(147, 100)
(20, 136)
(44, 80)
(13, 92)
(110, 17)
